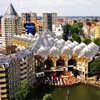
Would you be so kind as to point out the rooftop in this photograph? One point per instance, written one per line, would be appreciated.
(6, 59)
(10, 11)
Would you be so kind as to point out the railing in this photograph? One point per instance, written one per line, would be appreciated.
(2, 74)
(3, 85)
(3, 80)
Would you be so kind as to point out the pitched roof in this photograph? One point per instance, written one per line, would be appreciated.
(11, 11)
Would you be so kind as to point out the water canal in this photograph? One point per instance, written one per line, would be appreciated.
(78, 92)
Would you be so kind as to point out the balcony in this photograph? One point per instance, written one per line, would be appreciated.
(2, 74)
(3, 96)
(3, 90)
(24, 71)
(3, 80)
(2, 69)
(3, 85)
(23, 66)
(24, 76)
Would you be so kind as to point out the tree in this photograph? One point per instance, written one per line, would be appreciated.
(76, 37)
(87, 41)
(97, 41)
(22, 93)
(66, 33)
(80, 25)
(94, 67)
(69, 30)
(48, 97)
(75, 29)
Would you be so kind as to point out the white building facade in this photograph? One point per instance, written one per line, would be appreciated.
(9, 25)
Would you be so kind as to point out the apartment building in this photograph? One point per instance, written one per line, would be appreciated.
(0, 25)
(97, 30)
(10, 25)
(13, 69)
(29, 17)
(48, 20)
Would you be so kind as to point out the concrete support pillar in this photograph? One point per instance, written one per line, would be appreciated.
(66, 63)
(54, 63)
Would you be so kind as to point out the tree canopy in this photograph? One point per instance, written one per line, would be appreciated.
(75, 28)
(87, 41)
(76, 37)
(70, 30)
(48, 97)
(66, 33)
(94, 67)
(22, 93)
(97, 41)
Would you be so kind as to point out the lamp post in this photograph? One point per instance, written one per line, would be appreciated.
(68, 94)
(0, 93)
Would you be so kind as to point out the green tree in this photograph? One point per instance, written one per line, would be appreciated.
(48, 97)
(80, 25)
(97, 41)
(66, 33)
(75, 28)
(22, 93)
(94, 67)
(87, 41)
(76, 37)
(69, 30)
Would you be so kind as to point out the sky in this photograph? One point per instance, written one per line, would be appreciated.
(62, 7)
